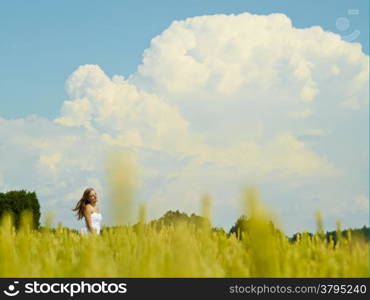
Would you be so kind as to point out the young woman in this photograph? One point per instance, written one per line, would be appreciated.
(87, 208)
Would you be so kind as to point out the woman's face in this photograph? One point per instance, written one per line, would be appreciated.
(92, 197)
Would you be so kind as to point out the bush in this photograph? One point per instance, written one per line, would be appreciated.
(15, 202)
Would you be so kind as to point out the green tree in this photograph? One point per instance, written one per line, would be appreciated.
(15, 202)
(239, 226)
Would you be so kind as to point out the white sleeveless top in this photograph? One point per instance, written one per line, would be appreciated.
(95, 222)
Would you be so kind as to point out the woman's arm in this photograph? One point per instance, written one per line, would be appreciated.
(87, 215)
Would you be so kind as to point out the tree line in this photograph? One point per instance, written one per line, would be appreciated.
(16, 202)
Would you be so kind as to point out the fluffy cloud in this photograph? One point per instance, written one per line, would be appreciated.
(51, 160)
(120, 110)
(217, 101)
(127, 116)
(257, 58)
(248, 78)
(54, 160)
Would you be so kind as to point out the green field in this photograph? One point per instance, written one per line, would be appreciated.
(179, 250)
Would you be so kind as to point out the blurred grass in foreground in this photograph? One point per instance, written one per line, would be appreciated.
(179, 250)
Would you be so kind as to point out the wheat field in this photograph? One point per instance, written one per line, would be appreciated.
(178, 250)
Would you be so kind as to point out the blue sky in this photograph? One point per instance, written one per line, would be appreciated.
(44, 41)
(210, 103)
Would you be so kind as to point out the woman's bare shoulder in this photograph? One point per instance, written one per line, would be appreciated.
(89, 208)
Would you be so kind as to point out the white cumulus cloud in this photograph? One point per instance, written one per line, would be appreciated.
(218, 100)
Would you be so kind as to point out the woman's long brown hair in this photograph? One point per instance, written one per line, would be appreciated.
(80, 206)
